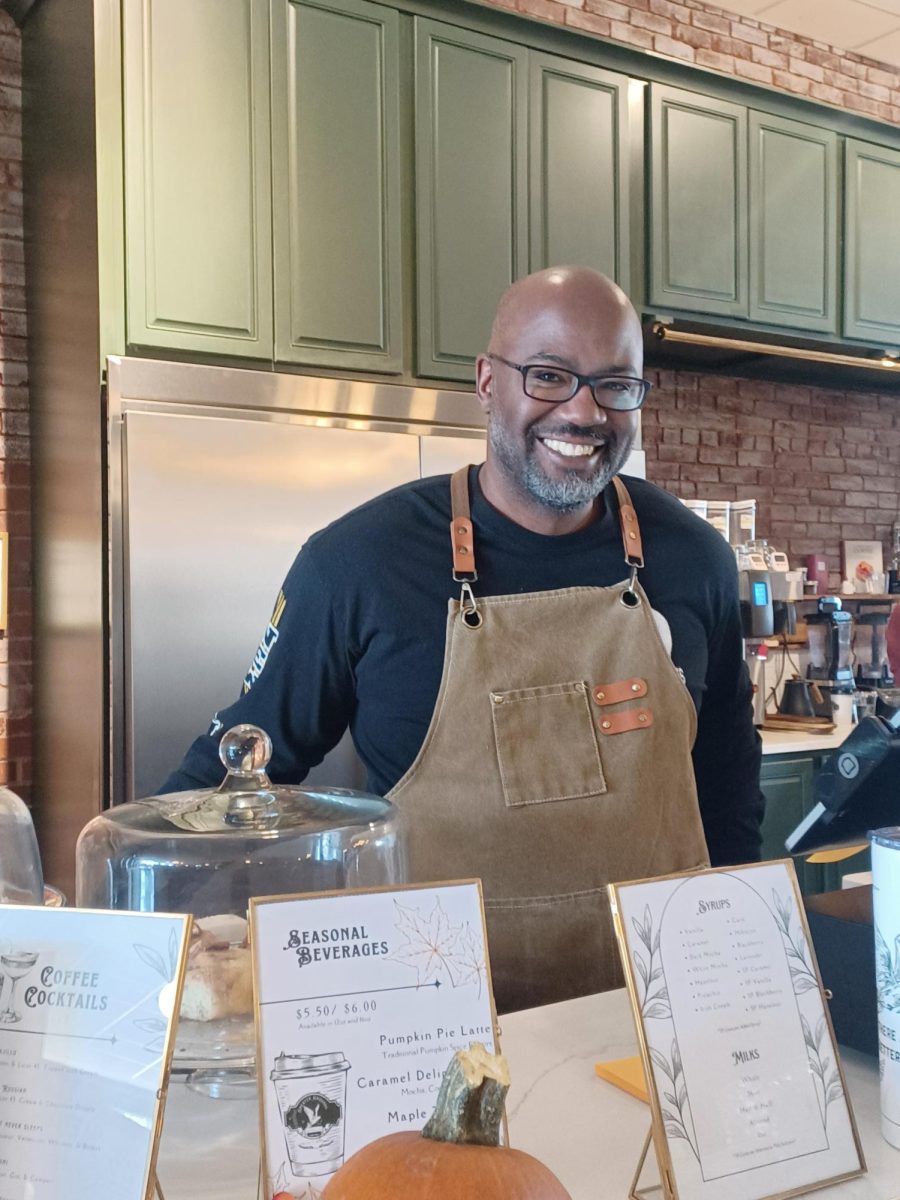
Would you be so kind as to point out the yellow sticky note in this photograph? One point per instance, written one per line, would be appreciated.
(830, 856)
(625, 1073)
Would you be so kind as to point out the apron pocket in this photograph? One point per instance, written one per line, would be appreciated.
(546, 744)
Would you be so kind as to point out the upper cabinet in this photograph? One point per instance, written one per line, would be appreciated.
(336, 157)
(579, 167)
(522, 162)
(793, 223)
(347, 185)
(197, 176)
(743, 213)
(872, 243)
(471, 118)
(698, 211)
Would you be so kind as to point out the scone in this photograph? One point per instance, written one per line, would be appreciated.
(218, 982)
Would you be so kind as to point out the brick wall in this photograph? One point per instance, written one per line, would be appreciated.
(823, 465)
(15, 497)
(733, 45)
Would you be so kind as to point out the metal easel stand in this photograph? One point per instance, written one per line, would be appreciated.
(654, 1190)
(157, 1188)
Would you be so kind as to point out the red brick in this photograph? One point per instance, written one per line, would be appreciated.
(588, 22)
(712, 21)
(623, 32)
(652, 21)
(672, 49)
(745, 32)
(608, 8)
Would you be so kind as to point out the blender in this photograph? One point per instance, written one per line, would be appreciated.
(870, 650)
(830, 657)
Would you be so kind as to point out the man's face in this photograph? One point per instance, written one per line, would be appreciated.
(561, 456)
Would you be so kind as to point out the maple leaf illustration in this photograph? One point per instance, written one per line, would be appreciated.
(468, 959)
(429, 941)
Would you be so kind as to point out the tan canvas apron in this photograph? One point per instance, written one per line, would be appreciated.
(557, 761)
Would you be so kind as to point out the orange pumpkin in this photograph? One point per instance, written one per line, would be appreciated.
(457, 1155)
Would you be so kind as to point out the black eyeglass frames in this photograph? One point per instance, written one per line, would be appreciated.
(556, 385)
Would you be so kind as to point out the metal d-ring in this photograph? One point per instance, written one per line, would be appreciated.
(468, 608)
(629, 597)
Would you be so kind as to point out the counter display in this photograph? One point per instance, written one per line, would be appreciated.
(209, 1148)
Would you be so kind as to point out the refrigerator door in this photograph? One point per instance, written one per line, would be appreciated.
(216, 510)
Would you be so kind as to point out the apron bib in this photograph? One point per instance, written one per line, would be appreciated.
(558, 760)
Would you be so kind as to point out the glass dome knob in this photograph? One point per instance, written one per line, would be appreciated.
(245, 751)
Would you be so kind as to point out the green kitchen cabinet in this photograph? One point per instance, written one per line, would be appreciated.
(872, 243)
(787, 784)
(471, 136)
(793, 223)
(197, 176)
(579, 167)
(698, 203)
(336, 183)
(788, 781)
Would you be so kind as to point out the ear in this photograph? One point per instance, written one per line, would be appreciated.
(484, 381)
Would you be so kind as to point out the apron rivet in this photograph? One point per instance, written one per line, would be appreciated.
(462, 549)
(642, 716)
(461, 531)
(497, 699)
(601, 695)
(632, 534)
(606, 724)
(635, 687)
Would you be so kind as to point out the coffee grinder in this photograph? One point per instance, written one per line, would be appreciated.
(830, 631)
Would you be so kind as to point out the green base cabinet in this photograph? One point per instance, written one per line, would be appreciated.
(197, 176)
(788, 782)
(336, 183)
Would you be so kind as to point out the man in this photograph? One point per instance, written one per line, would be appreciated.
(552, 752)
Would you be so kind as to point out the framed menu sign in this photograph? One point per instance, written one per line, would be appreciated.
(86, 1014)
(745, 1082)
(362, 999)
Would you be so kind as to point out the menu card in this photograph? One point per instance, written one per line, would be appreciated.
(86, 1004)
(362, 1000)
(745, 1081)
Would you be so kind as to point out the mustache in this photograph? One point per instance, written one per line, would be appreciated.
(596, 433)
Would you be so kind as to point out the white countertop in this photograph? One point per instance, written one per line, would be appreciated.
(592, 1141)
(802, 743)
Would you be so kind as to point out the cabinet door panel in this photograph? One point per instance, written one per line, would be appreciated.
(197, 176)
(793, 223)
(471, 186)
(872, 243)
(579, 167)
(698, 210)
(336, 139)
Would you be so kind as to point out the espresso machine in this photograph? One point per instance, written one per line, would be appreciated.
(830, 631)
(768, 592)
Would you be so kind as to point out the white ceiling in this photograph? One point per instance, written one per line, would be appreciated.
(871, 27)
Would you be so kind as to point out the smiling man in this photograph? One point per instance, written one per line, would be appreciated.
(539, 661)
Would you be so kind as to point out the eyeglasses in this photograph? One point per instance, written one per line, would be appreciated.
(556, 385)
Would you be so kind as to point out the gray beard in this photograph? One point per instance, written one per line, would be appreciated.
(570, 492)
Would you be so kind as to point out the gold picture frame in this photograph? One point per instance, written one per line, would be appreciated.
(257, 903)
(642, 946)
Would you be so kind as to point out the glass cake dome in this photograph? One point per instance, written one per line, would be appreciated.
(207, 852)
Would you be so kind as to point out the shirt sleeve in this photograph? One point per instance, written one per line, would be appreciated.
(728, 750)
(299, 688)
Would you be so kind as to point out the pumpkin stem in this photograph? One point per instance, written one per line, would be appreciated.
(469, 1105)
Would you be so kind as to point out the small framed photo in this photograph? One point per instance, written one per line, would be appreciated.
(862, 562)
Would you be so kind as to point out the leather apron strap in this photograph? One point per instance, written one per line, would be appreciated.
(462, 536)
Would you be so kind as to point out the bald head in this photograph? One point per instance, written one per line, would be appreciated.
(578, 296)
(548, 461)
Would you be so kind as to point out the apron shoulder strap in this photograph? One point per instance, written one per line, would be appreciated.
(628, 523)
(462, 537)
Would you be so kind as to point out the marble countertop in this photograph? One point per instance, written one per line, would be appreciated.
(801, 743)
(592, 1140)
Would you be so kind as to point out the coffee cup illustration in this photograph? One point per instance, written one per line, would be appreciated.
(312, 1098)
